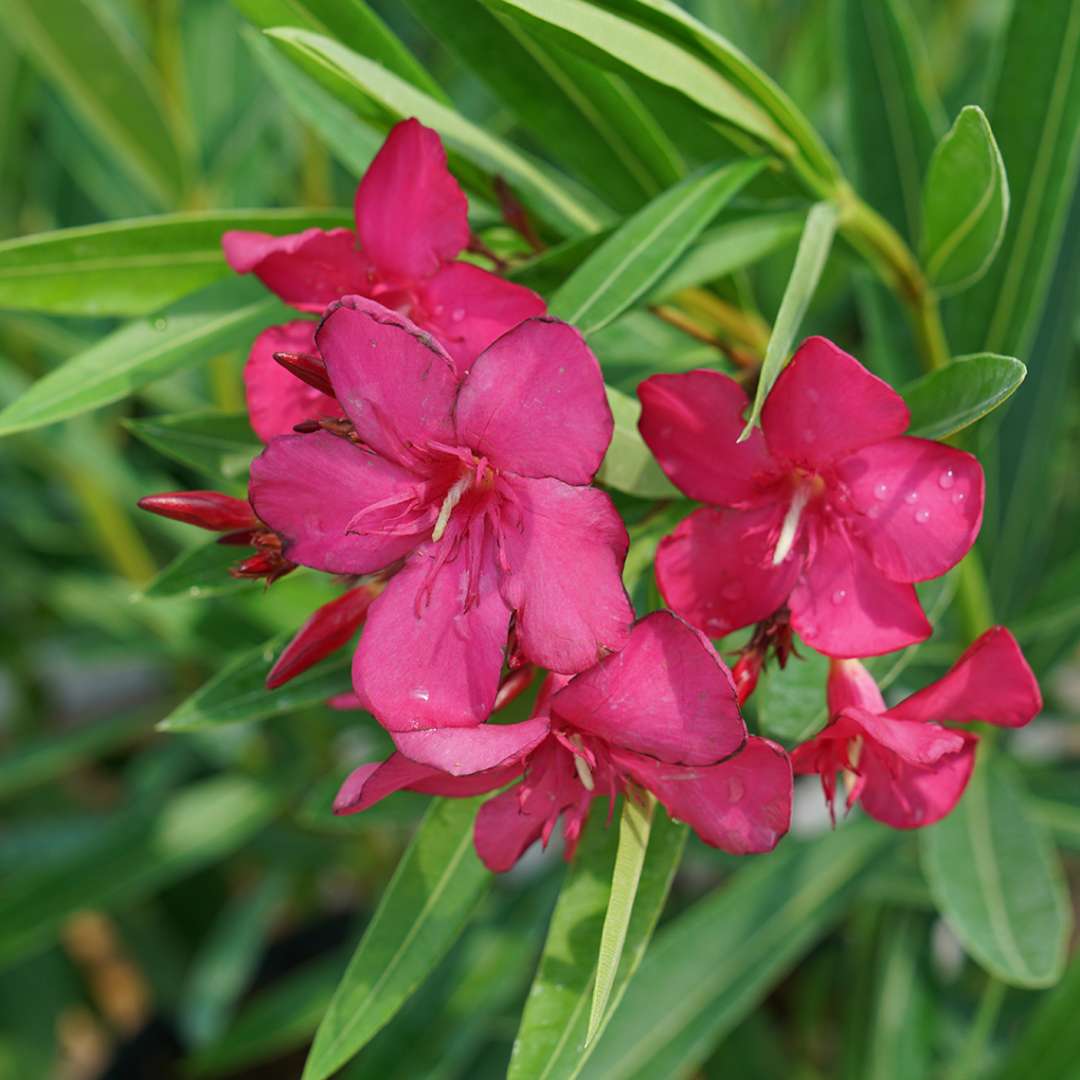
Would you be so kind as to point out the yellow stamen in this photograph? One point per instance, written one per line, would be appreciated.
(453, 497)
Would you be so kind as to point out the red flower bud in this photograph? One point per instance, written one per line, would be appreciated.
(307, 368)
(746, 672)
(206, 509)
(513, 686)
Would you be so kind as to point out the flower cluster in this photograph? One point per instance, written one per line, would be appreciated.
(433, 439)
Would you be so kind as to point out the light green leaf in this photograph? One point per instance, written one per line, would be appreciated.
(219, 444)
(635, 826)
(435, 889)
(996, 879)
(791, 700)
(713, 963)
(222, 316)
(551, 1039)
(952, 398)
(377, 93)
(200, 572)
(108, 82)
(647, 245)
(629, 464)
(965, 204)
(810, 259)
(136, 266)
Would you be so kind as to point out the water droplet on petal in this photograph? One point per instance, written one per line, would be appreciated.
(911, 497)
(457, 314)
(839, 596)
(959, 497)
(922, 516)
(421, 694)
(735, 789)
(732, 591)
(881, 491)
(947, 479)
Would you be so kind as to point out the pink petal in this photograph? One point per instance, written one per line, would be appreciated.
(716, 568)
(916, 744)
(844, 606)
(410, 212)
(504, 831)
(307, 269)
(742, 805)
(691, 422)
(425, 660)
(394, 382)
(534, 403)
(910, 796)
(276, 400)
(666, 694)
(851, 686)
(991, 683)
(467, 308)
(825, 404)
(309, 487)
(921, 503)
(464, 751)
(564, 552)
(371, 783)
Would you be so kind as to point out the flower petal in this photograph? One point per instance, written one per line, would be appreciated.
(991, 683)
(411, 214)
(276, 400)
(916, 744)
(691, 422)
(742, 805)
(844, 606)
(308, 269)
(467, 308)
(426, 660)
(564, 557)
(666, 694)
(464, 751)
(371, 783)
(716, 568)
(534, 403)
(851, 686)
(921, 502)
(395, 383)
(504, 831)
(909, 796)
(825, 404)
(309, 487)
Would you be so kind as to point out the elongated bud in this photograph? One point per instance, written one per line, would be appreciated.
(263, 564)
(206, 509)
(326, 630)
(513, 686)
(307, 368)
(746, 673)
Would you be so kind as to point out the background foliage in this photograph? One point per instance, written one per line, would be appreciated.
(184, 900)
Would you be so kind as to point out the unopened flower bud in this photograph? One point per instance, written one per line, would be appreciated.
(206, 509)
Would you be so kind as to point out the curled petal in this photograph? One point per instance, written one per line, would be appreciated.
(851, 686)
(915, 744)
(463, 751)
(825, 404)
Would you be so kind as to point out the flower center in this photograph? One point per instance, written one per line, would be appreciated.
(806, 488)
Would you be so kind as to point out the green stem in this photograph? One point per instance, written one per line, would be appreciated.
(967, 1061)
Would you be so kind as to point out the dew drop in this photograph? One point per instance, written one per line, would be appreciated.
(947, 479)
(732, 591)
(911, 497)
(735, 789)
(457, 314)
(922, 516)
(421, 694)
(874, 512)
(839, 596)
(959, 497)
(161, 324)
(881, 491)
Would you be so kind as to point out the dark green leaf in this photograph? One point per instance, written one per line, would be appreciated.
(628, 464)
(219, 444)
(200, 572)
(791, 700)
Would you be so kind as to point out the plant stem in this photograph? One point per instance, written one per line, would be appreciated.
(966, 1064)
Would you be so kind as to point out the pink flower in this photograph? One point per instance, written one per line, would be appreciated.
(908, 770)
(410, 224)
(661, 714)
(480, 484)
(827, 509)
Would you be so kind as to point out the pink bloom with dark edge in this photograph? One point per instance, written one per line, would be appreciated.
(661, 714)
(908, 769)
(411, 223)
(480, 483)
(827, 508)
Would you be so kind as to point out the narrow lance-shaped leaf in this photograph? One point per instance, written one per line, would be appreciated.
(202, 572)
(425, 907)
(965, 204)
(995, 877)
(952, 398)
(810, 259)
(646, 246)
(219, 444)
(629, 465)
(223, 316)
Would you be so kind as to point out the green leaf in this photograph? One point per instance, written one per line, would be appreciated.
(551, 1039)
(223, 316)
(713, 963)
(810, 259)
(952, 398)
(965, 204)
(791, 700)
(238, 694)
(435, 889)
(200, 572)
(137, 853)
(219, 444)
(629, 465)
(635, 826)
(647, 245)
(546, 271)
(996, 879)
(136, 266)
(375, 92)
(354, 24)
(894, 116)
(108, 83)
